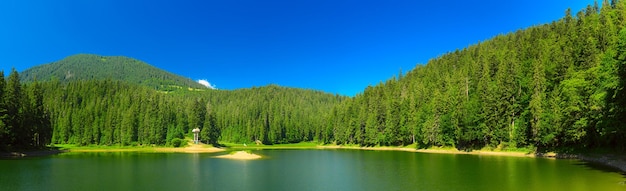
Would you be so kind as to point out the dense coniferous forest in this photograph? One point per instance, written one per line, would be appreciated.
(553, 86)
(272, 114)
(109, 112)
(24, 121)
(558, 85)
(104, 111)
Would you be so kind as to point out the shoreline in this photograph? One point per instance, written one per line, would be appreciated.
(149, 150)
(610, 160)
(57, 149)
(190, 148)
(20, 154)
(442, 151)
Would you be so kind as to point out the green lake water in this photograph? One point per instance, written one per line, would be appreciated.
(302, 170)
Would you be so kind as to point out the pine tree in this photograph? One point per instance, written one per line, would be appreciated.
(210, 131)
(536, 104)
(13, 100)
(198, 114)
(4, 116)
(40, 125)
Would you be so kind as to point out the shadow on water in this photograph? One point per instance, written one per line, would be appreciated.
(599, 159)
(602, 167)
(31, 153)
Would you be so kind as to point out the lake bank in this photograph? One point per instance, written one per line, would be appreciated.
(436, 150)
(191, 148)
(87, 149)
(409, 148)
(611, 160)
(149, 149)
(617, 161)
(34, 153)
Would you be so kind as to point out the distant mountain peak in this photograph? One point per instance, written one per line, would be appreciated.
(97, 67)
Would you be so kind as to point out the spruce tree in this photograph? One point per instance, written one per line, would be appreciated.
(13, 101)
(4, 116)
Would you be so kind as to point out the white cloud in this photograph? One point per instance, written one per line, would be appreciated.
(207, 84)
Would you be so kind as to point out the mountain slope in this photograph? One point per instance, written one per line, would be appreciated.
(558, 85)
(89, 66)
(105, 112)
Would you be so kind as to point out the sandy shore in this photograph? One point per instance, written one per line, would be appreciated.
(155, 150)
(451, 151)
(240, 155)
(615, 161)
(478, 152)
(443, 151)
(191, 148)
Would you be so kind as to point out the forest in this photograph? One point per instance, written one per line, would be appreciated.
(24, 121)
(114, 112)
(557, 85)
(106, 112)
(551, 86)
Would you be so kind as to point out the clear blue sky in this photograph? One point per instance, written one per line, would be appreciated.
(330, 45)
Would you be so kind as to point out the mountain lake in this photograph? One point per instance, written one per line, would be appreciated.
(303, 170)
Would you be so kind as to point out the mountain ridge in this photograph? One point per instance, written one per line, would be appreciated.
(98, 67)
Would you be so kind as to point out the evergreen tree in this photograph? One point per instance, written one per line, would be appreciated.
(13, 101)
(4, 116)
(39, 123)
(210, 131)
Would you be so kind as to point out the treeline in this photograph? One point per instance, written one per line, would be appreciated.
(272, 114)
(24, 123)
(552, 86)
(106, 112)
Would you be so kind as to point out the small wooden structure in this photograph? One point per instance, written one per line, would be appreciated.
(196, 136)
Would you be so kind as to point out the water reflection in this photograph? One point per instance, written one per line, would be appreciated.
(302, 170)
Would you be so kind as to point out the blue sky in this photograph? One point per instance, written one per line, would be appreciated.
(330, 45)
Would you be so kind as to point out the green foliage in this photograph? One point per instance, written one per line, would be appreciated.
(176, 142)
(106, 112)
(24, 121)
(549, 86)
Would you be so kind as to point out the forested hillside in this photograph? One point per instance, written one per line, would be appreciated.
(550, 86)
(553, 86)
(90, 67)
(106, 112)
(95, 100)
